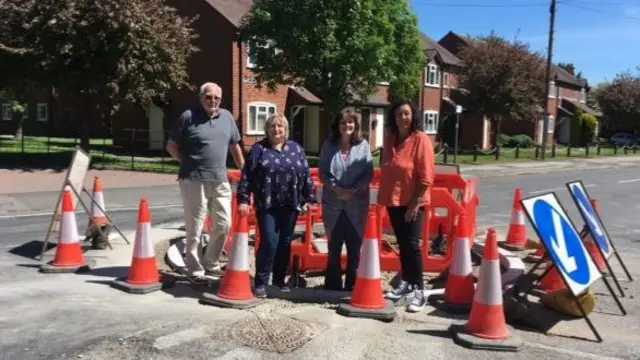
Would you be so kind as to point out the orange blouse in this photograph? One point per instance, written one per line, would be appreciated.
(403, 166)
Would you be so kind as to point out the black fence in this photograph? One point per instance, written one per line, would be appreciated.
(144, 150)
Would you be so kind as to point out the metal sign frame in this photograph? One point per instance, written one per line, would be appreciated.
(551, 246)
(584, 205)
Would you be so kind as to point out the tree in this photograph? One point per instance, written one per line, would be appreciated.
(95, 53)
(339, 49)
(619, 101)
(501, 80)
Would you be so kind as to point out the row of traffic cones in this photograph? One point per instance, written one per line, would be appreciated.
(143, 276)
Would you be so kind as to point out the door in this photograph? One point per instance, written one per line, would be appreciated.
(365, 123)
(298, 124)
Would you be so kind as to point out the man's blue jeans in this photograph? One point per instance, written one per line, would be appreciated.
(276, 232)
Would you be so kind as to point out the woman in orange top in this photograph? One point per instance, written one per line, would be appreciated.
(407, 172)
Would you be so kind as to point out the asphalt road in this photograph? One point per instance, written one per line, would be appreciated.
(33, 318)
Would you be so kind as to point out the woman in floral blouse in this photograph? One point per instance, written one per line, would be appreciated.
(277, 174)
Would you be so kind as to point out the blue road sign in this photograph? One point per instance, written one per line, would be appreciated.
(591, 217)
(561, 241)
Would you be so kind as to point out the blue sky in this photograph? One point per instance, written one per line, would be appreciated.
(601, 37)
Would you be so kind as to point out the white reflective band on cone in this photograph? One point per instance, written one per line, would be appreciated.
(144, 246)
(517, 217)
(95, 211)
(369, 267)
(69, 232)
(239, 259)
(462, 265)
(489, 290)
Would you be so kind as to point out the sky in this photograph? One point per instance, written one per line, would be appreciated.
(600, 37)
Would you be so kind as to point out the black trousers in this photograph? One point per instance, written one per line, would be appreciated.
(408, 235)
(343, 232)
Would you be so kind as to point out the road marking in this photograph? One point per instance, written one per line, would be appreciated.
(576, 353)
(110, 210)
(556, 189)
(628, 181)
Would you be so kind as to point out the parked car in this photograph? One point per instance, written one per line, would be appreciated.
(623, 139)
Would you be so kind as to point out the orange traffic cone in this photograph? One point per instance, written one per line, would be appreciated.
(460, 289)
(517, 233)
(486, 326)
(235, 290)
(551, 281)
(97, 216)
(366, 299)
(143, 274)
(68, 257)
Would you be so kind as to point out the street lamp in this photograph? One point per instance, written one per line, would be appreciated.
(455, 141)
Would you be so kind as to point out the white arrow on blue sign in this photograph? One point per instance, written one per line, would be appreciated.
(562, 242)
(591, 217)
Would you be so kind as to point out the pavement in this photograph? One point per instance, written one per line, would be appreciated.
(79, 316)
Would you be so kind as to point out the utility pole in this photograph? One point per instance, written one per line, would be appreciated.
(545, 127)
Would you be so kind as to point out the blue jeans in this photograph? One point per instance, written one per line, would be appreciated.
(276, 232)
(343, 232)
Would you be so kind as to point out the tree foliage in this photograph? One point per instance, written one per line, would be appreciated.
(619, 101)
(121, 51)
(502, 80)
(339, 49)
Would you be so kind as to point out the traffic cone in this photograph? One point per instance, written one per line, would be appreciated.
(486, 326)
(366, 299)
(460, 288)
(143, 274)
(517, 233)
(551, 281)
(97, 216)
(68, 257)
(235, 290)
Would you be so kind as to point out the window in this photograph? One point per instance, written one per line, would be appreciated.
(552, 124)
(251, 61)
(6, 112)
(445, 79)
(433, 75)
(552, 90)
(431, 122)
(258, 114)
(365, 122)
(42, 112)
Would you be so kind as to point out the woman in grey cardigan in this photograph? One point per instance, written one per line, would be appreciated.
(346, 169)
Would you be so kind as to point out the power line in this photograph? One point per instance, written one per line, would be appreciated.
(476, 5)
(600, 11)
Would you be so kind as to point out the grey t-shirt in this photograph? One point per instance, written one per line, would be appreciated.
(204, 143)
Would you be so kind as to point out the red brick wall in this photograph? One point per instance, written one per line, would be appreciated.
(471, 130)
(431, 98)
(569, 93)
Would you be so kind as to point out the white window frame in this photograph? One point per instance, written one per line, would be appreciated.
(435, 115)
(445, 80)
(44, 106)
(552, 89)
(435, 70)
(255, 128)
(6, 112)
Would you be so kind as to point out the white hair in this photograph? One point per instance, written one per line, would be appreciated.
(205, 86)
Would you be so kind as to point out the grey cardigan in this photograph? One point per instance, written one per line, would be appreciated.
(354, 172)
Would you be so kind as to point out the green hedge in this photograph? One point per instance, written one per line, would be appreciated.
(522, 140)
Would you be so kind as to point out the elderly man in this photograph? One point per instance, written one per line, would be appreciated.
(200, 141)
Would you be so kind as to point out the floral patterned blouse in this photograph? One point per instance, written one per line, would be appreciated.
(277, 178)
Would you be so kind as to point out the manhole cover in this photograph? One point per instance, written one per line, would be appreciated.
(272, 332)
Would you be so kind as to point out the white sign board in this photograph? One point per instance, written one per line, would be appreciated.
(562, 242)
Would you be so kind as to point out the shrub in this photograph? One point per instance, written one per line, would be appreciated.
(504, 140)
(588, 129)
(522, 140)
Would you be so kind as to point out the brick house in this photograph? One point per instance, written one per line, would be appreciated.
(566, 93)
